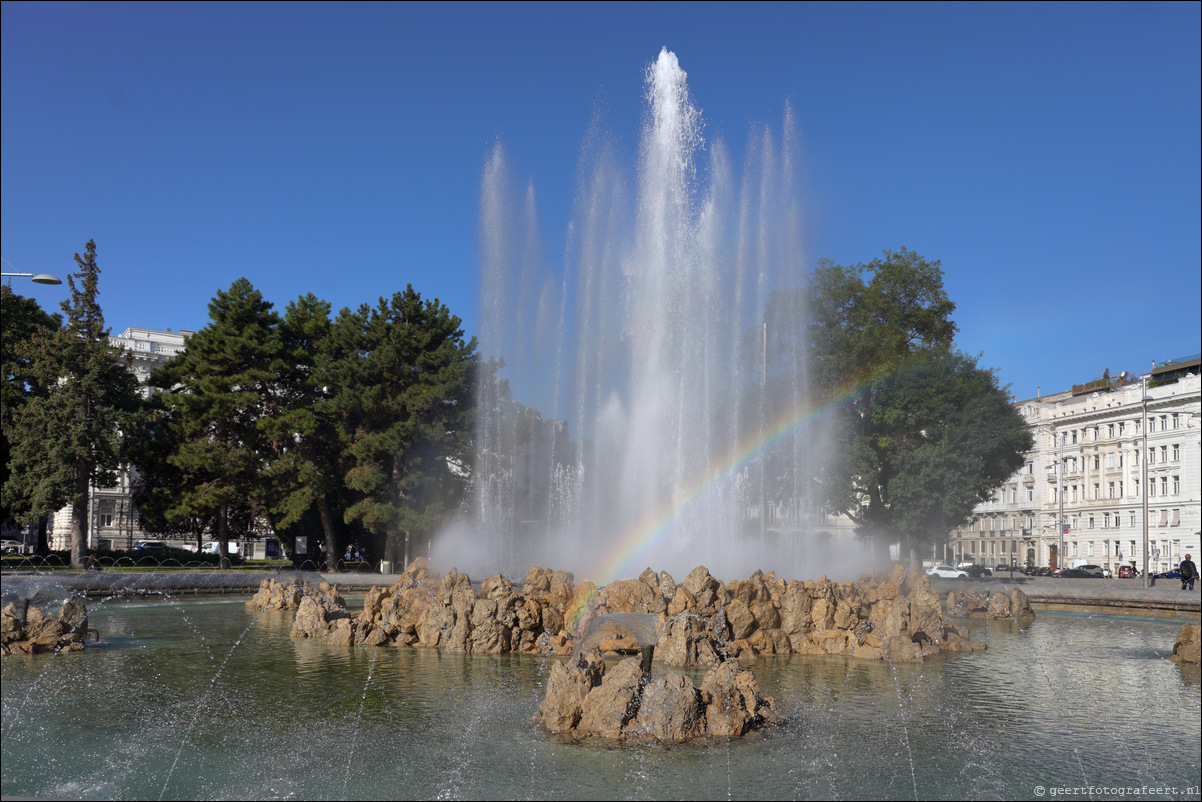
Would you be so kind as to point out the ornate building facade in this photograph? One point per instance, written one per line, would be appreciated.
(1098, 475)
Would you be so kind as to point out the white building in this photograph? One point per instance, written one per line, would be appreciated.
(115, 522)
(1093, 471)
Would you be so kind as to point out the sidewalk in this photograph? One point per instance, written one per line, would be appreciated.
(1111, 595)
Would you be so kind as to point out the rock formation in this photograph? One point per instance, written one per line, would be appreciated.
(28, 630)
(998, 605)
(1188, 648)
(276, 595)
(584, 700)
(894, 615)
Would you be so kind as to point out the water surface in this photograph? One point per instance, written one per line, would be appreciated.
(201, 699)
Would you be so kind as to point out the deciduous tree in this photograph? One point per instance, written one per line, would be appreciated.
(923, 433)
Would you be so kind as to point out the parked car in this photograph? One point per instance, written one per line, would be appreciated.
(10, 546)
(151, 546)
(947, 572)
(213, 547)
(1077, 573)
(976, 571)
(1173, 574)
(1096, 570)
(1127, 572)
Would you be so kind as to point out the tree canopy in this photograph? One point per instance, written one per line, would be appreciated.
(923, 434)
(76, 429)
(329, 428)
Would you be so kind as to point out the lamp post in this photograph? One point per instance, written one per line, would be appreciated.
(1143, 461)
(37, 278)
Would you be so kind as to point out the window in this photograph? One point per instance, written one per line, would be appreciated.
(1164, 485)
(1030, 494)
(1110, 430)
(1105, 520)
(1164, 453)
(1121, 427)
(1135, 489)
(106, 519)
(1110, 490)
(1176, 420)
(1096, 491)
(1176, 452)
(1096, 462)
(1089, 549)
(1091, 524)
(1110, 460)
(1074, 435)
(1164, 423)
(1176, 485)
(1151, 487)
(1074, 489)
(1120, 495)
(1152, 455)
(1096, 429)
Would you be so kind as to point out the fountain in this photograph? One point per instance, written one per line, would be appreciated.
(670, 411)
(209, 699)
(660, 459)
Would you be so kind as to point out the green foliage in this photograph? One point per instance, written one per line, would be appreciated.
(210, 415)
(75, 429)
(404, 409)
(22, 324)
(924, 433)
(328, 429)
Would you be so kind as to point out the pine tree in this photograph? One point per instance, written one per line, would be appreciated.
(77, 433)
(405, 412)
(219, 391)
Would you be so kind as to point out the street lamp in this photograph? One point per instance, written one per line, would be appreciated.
(38, 278)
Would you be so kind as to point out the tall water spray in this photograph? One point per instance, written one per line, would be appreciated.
(668, 394)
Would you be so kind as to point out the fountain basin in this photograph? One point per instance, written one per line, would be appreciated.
(205, 699)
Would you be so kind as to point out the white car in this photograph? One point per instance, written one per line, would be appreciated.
(213, 547)
(12, 546)
(947, 572)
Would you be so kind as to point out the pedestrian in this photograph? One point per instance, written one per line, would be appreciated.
(1189, 572)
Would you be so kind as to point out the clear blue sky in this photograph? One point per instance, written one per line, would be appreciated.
(1048, 154)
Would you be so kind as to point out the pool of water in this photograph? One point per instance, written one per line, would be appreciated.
(200, 699)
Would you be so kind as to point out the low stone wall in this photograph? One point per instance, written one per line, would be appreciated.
(896, 616)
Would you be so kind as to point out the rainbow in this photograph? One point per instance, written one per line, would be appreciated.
(640, 538)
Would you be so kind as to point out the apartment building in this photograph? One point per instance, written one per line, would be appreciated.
(1095, 468)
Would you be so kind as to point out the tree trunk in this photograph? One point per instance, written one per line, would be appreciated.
(223, 534)
(42, 549)
(79, 516)
(334, 546)
(915, 562)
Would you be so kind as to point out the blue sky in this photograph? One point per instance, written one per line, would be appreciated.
(1048, 154)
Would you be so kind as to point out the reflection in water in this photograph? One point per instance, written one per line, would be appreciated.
(1072, 700)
